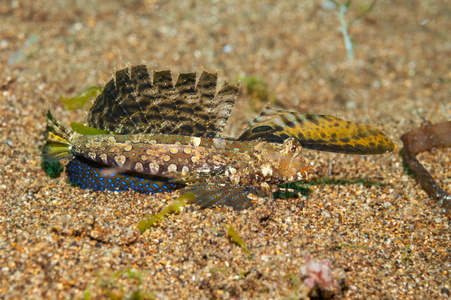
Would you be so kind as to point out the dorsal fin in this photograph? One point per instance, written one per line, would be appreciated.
(132, 103)
(318, 132)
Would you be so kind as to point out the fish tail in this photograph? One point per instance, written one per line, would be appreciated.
(57, 144)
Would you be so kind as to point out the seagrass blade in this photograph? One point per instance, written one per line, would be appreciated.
(134, 103)
(318, 132)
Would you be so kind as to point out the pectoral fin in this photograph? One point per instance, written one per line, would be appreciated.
(212, 193)
(318, 132)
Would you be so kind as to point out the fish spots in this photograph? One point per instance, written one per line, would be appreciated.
(266, 170)
(345, 140)
(263, 128)
(230, 171)
(154, 168)
(235, 179)
(217, 157)
(265, 186)
(312, 118)
(226, 161)
(287, 122)
(139, 167)
(195, 141)
(104, 158)
(92, 155)
(219, 143)
(120, 160)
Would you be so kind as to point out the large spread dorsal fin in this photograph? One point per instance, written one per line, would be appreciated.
(318, 132)
(132, 103)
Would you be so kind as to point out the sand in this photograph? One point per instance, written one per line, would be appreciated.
(384, 237)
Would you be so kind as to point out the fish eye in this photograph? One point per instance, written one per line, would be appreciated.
(293, 149)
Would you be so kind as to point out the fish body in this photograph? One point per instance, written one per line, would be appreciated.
(188, 158)
(210, 191)
(218, 171)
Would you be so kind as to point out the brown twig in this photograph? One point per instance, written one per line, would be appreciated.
(423, 139)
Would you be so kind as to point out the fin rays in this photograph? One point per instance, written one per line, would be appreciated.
(132, 103)
(318, 132)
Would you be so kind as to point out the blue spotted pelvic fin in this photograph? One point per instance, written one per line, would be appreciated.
(90, 175)
(213, 193)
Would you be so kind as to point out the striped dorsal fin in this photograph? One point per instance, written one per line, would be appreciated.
(318, 132)
(132, 102)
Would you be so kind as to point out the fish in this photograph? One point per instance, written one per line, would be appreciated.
(146, 134)
(135, 102)
(229, 164)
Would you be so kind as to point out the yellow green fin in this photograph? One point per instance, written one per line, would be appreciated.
(80, 100)
(318, 132)
(86, 130)
(234, 237)
(175, 206)
(57, 144)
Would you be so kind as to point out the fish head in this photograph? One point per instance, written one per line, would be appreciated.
(292, 166)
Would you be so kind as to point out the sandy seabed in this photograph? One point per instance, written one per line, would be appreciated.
(384, 236)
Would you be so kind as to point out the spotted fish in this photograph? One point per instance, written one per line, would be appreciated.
(243, 169)
(134, 102)
(156, 136)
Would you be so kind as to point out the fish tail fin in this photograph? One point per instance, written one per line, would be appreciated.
(57, 144)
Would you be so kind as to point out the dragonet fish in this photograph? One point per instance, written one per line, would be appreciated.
(146, 134)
